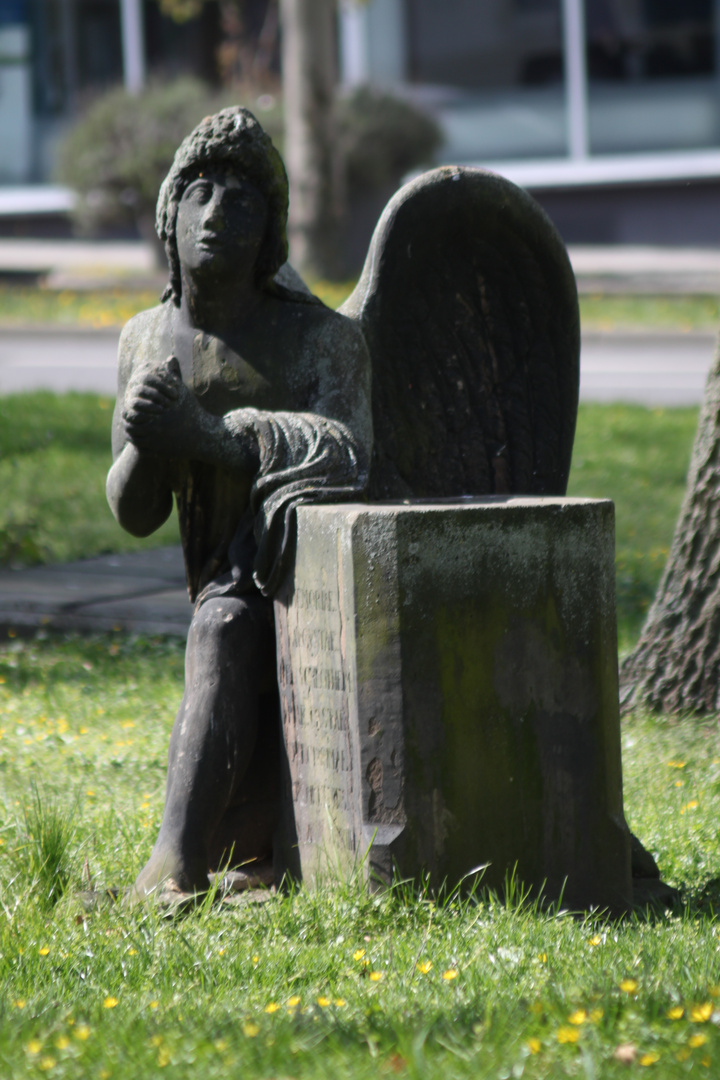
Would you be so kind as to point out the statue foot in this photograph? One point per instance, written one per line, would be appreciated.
(167, 873)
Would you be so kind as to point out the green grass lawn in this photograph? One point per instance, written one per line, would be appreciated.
(334, 983)
(339, 982)
(639, 458)
(54, 457)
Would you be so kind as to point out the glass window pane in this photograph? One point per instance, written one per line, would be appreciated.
(652, 75)
(494, 70)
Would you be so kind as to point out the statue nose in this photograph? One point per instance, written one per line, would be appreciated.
(214, 211)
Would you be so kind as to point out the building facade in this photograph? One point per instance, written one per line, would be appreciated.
(608, 110)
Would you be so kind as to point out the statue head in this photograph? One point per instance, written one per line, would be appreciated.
(234, 141)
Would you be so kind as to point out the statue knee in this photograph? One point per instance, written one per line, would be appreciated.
(231, 630)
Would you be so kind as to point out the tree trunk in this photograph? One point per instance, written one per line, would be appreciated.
(309, 76)
(676, 664)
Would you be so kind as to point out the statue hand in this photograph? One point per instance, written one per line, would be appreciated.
(161, 415)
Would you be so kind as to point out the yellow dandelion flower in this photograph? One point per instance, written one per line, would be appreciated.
(256, 959)
(163, 1057)
(534, 1045)
(323, 1002)
(424, 966)
(676, 764)
(34, 1046)
(542, 957)
(697, 1040)
(20, 1003)
(578, 1017)
(699, 1014)
(46, 1063)
(597, 940)
(679, 783)
(689, 806)
(340, 1003)
(132, 952)
(272, 1007)
(44, 951)
(567, 1034)
(451, 973)
(82, 1032)
(221, 952)
(376, 976)
(676, 1013)
(110, 1002)
(154, 1004)
(293, 1001)
(596, 1015)
(62, 1042)
(649, 1059)
(628, 986)
(250, 1029)
(358, 954)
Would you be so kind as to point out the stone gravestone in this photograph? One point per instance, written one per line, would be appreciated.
(446, 652)
(448, 677)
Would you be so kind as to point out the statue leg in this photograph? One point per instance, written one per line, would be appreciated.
(229, 665)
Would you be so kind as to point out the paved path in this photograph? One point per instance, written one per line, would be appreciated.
(651, 369)
(59, 359)
(143, 592)
(648, 369)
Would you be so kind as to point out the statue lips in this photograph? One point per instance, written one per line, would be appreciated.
(212, 241)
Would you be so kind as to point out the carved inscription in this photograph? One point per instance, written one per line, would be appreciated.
(315, 686)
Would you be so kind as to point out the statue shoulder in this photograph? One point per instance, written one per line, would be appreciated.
(319, 330)
(142, 338)
(144, 326)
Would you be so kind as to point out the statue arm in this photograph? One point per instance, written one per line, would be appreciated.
(138, 485)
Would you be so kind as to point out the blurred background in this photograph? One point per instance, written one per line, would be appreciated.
(608, 110)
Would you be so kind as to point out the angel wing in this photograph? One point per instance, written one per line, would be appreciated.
(469, 308)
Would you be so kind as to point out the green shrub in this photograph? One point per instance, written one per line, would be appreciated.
(381, 137)
(118, 153)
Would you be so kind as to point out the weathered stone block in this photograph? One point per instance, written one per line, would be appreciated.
(448, 676)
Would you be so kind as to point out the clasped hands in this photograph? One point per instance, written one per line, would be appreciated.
(161, 415)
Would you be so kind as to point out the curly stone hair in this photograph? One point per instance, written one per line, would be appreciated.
(232, 138)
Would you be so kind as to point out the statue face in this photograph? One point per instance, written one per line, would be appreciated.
(221, 222)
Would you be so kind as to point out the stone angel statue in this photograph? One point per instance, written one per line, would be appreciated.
(451, 370)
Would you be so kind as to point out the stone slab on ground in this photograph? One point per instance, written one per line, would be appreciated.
(142, 592)
(448, 678)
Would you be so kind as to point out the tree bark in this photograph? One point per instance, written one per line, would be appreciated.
(309, 77)
(675, 666)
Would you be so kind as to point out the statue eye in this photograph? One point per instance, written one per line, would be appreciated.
(199, 191)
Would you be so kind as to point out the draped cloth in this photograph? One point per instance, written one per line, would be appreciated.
(304, 457)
